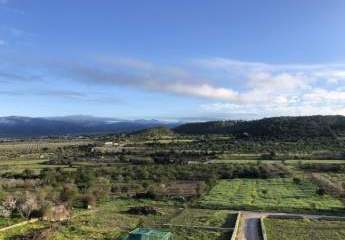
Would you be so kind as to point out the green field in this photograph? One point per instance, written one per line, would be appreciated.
(196, 222)
(204, 217)
(288, 162)
(5, 222)
(181, 233)
(269, 194)
(111, 221)
(17, 232)
(284, 229)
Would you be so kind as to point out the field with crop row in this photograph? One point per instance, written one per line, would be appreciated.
(304, 229)
(269, 194)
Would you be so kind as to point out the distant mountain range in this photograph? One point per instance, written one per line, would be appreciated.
(14, 126)
(286, 128)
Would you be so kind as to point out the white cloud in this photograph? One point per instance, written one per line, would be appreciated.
(272, 90)
(318, 96)
(257, 88)
(169, 80)
(229, 86)
(203, 90)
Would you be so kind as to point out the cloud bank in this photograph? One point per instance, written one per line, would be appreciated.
(233, 86)
(226, 87)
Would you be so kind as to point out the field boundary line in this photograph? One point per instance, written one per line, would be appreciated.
(19, 224)
(263, 228)
(234, 233)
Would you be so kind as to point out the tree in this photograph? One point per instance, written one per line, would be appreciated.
(297, 180)
(321, 191)
(27, 204)
(100, 188)
(69, 193)
(27, 173)
(88, 201)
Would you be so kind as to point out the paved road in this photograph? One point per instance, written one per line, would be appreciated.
(250, 227)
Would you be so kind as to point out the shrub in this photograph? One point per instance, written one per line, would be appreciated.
(297, 181)
(321, 191)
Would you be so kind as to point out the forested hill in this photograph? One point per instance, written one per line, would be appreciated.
(71, 125)
(272, 128)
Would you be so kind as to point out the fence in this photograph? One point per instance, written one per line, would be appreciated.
(235, 231)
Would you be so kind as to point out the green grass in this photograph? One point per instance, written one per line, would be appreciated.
(197, 234)
(5, 222)
(110, 220)
(20, 231)
(19, 165)
(288, 162)
(284, 229)
(21, 162)
(201, 218)
(107, 221)
(270, 194)
(204, 217)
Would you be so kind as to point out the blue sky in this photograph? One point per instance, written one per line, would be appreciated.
(172, 59)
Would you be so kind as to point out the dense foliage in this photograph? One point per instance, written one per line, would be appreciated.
(272, 128)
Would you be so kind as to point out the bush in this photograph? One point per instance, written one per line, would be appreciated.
(88, 201)
(297, 181)
(69, 193)
(321, 191)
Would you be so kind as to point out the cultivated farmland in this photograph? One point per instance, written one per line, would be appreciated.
(304, 229)
(269, 194)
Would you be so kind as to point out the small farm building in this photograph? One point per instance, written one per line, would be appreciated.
(149, 234)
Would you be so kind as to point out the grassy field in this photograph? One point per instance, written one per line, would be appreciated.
(289, 162)
(335, 178)
(16, 233)
(37, 146)
(110, 220)
(18, 165)
(269, 194)
(197, 220)
(181, 233)
(5, 222)
(204, 217)
(284, 229)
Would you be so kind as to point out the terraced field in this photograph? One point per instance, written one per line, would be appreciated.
(269, 194)
(305, 229)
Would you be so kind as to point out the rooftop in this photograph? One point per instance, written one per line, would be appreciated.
(148, 233)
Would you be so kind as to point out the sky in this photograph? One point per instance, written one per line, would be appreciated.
(195, 59)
